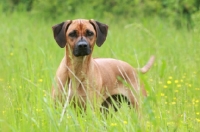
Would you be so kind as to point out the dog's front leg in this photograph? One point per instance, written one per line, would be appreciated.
(61, 79)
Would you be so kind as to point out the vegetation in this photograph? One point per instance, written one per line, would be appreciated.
(175, 9)
(30, 56)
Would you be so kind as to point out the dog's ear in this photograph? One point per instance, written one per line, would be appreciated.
(59, 31)
(101, 31)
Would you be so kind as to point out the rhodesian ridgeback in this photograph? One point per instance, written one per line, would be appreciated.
(85, 79)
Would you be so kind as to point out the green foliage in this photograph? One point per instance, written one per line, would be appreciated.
(16, 5)
(112, 10)
(30, 56)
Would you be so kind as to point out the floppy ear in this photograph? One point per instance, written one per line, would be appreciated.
(59, 31)
(101, 31)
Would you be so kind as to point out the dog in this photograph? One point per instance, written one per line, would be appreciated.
(82, 79)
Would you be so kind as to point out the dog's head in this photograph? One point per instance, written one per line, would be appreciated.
(80, 35)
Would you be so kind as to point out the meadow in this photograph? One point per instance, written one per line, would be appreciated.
(30, 56)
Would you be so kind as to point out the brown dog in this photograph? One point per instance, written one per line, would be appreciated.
(87, 80)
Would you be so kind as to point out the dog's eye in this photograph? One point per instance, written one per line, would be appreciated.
(89, 33)
(73, 34)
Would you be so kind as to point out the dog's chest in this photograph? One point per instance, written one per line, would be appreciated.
(83, 92)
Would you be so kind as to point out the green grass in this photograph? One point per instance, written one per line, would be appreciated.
(30, 56)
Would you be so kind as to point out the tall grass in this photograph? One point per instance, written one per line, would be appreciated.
(30, 57)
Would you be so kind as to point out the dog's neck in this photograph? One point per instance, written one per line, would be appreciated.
(78, 65)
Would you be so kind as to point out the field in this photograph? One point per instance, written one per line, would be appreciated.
(30, 56)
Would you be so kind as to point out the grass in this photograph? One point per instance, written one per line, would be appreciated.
(30, 56)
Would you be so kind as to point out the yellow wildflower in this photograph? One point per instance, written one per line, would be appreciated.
(170, 77)
(125, 122)
(3, 112)
(113, 124)
(169, 82)
(173, 103)
(176, 91)
(197, 89)
(40, 80)
(198, 120)
(162, 94)
(170, 123)
(176, 81)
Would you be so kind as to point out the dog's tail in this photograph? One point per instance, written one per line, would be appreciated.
(145, 68)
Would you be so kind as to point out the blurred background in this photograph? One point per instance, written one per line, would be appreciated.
(111, 10)
(29, 57)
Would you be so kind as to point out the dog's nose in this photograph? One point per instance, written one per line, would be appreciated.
(82, 44)
(82, 48)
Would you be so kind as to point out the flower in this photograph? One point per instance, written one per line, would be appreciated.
(113, 124)
(176, 91)
(162, 94)
(176, 81)
(165, 86)
(40, 80)
(3, 112)
(198, 120)
(173, 103)
(169, 82)
(11, 54)
(170, 77)
(197, 89)
(125, 122)
(170, 123)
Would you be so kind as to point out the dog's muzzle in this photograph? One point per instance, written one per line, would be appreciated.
(81, 48)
